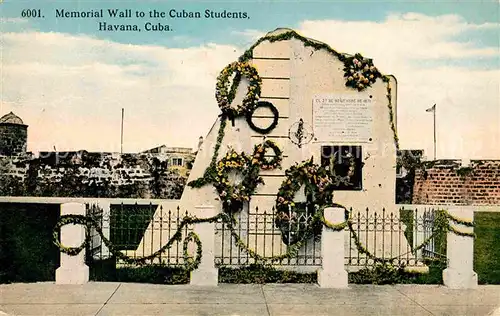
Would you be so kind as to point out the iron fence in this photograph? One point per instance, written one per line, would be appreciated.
(258, 231)
(373, 237)
(137, 231)
(140, 230)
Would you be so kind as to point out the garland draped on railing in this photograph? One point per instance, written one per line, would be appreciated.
(442, 224)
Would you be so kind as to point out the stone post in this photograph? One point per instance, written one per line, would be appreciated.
(332, 274)
(73, 269)
(460, 253)
(206, 274)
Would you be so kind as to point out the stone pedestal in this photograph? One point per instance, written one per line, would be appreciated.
(206, 274)
(73, 269)
(332, 273)
(460, 253)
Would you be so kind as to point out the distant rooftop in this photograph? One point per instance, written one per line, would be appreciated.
(165, 149)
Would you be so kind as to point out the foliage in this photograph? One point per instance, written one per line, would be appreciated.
(465, 171)
(27, 253)
(66, 179)
(225, 96)
(360, 72)
(259, 155)
(261, 274)
(486, 247)
(318, 190)
(233, 195)
(409, 160)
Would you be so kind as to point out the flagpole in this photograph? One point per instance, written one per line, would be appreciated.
(434, 114)
(121, 136)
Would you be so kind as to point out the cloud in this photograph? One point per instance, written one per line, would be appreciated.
(468, 115)
(70, 88)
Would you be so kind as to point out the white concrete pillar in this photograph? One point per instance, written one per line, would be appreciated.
(72, 269)
(460, 253)
(206, 274)
(332, 274)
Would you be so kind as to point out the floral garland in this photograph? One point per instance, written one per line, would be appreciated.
(224, 96)
(259, 153)
(233, 196)
(360, 72)
(273, 125)
(66, 220)
(319, 192)
(337, 179)
(190, 262)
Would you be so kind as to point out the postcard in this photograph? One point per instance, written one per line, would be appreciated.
(329, 143)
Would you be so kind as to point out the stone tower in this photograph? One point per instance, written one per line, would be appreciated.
(13, 135)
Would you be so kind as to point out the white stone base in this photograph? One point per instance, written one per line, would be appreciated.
(78, 275)
(337, 280)
(455, 279)
(205, 277)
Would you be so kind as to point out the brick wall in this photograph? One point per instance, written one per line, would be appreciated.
(447, 183)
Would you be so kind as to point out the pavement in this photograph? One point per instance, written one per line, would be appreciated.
(253, 299)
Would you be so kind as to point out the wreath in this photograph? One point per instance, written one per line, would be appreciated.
(343, 180)
(260, 159)
(293, 218)
(225, 96)
(233, 195)
(360, 72)
(268, 129)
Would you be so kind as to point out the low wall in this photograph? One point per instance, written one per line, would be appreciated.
(446, 182)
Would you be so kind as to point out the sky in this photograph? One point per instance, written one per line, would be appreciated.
(69, 81)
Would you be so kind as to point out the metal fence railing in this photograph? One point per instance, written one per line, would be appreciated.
(137, 231)
(258, 231)
(140, 230)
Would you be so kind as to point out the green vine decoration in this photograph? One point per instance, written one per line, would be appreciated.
(190, 262)
(442, 224)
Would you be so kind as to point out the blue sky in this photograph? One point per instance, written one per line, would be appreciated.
(441, 52)
(265, 15)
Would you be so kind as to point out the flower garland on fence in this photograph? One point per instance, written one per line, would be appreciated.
(442, 224)
(190, 263)
(259, 155)
(225, 96)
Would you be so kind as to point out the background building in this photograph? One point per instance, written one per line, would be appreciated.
(13, 135)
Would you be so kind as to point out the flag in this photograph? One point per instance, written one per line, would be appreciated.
(431, 109)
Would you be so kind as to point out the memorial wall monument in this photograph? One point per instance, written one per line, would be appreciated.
(294, 99)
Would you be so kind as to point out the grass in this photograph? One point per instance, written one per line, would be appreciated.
(487, 247)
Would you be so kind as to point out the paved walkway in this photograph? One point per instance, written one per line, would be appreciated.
(227, 299)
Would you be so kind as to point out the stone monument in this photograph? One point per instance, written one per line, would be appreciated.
(335, 108)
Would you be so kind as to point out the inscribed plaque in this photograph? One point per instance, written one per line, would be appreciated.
(342, 118)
